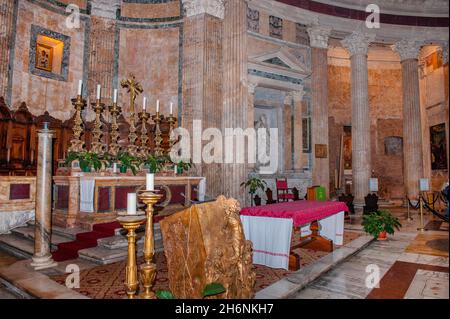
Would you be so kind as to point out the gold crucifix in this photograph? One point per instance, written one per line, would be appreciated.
(134, 88)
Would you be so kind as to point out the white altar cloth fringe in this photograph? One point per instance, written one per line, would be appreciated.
(271, 238)
(331, 227)
(87, 195)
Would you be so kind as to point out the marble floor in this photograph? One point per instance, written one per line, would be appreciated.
(404, 266)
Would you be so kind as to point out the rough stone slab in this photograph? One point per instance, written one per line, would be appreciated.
(17, 245)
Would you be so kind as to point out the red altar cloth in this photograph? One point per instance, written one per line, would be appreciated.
(301, 212)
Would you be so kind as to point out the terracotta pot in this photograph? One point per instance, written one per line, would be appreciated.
(382, 236)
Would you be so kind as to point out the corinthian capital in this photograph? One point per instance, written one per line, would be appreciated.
(358, 43)
(211, 7)
(318, 36)
(407, 49)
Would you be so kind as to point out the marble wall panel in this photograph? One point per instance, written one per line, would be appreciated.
(150, 10)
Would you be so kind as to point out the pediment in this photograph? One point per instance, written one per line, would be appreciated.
(280, 59)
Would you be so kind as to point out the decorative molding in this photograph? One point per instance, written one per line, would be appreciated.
(276, 27)
(215, 8)
(105, 8)
(298, 95)
(408, 49)
(358, 43)
(318, 36)
(252, 87)
(252, 20)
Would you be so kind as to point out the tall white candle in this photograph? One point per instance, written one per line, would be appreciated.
(145, 103)
(171, 108)
(131, 203)
(115, 96)
(157, 106)
(114, 167)
(80, 86)
(175, 169)
(150, 182)
(99, 88)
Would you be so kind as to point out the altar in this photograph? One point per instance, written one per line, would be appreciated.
(84, 199)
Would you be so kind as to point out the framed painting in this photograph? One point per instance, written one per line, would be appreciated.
(438, 144)
(321, 150)
(44, 57)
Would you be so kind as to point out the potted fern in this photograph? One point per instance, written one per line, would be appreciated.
(380, 223)
(253, 184)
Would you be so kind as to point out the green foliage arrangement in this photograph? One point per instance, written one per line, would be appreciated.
(87, 160)
(129, 161)
(382, 220)
(184, 166)
(210, 290)
(253, 184)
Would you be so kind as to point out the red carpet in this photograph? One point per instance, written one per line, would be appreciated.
(69, 250)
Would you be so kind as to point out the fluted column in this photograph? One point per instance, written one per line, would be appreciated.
(412, 130)
(251, 114)
(202, 95)
(298, 129)
(319, 117)
(6, 40)
(235, 92)
(42, 257)
(357, 45)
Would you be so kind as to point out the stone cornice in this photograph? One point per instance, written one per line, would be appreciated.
(357, 42)
(408, 49)
(318, 36)
(211, 7)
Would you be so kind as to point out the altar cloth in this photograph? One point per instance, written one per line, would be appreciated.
(301, 212)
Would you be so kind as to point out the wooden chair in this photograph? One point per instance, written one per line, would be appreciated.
(269, 195)
(284, 193)
(296, 193)
(371, 201)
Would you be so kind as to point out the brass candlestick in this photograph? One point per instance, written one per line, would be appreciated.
(97, 146)
(143, 151)
(148, 269)
(132, 136)
(172, 120)
(157, 118)
(76, 144)
(114, 147)
(131, 223)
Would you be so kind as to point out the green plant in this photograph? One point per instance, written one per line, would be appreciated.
(382, 220)
(209, 290)
(153, 163)
(129, 161)
(253, 184)
(87, 160)
(184, 166)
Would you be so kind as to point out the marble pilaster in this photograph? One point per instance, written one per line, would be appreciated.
(251, 113)
(202, 95)
(6, 38)
(74, 201)
(412, 130)
(288, 101)
(42, 257)
(319, 119)
(298, 130)
(235, 91)
(357, 45)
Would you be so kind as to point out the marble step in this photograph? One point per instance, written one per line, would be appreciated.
(103, 256)
(17, 245)
(120, 241)
(28, 233)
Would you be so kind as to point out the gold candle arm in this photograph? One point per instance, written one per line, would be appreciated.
(143, 151)
(132, 137)
(157, 118)
(114, 147)
(76, 144)
(97, 146)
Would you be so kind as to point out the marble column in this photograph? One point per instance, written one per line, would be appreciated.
(444, 47)
(357, 45)
(288, 154)
(202, 94)
(251, 115)
(235, 91)
(412, 130)
(319, 119)
(42, 257)
(298, 129)
(6, 39)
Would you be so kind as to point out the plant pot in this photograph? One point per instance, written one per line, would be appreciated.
(123, 169)
(86, 169)
(382, 236)
(257, 200)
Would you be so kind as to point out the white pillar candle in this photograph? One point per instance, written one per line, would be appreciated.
(99, 88)
(131, 203)
(80, 86)
(145, 103)
(171, 108)
(150, 182)
(114, 167)
(175, 170)
(115, 96)
(157, 106)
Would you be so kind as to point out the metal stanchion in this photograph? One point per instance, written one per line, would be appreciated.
(421, 228)
(408, 217)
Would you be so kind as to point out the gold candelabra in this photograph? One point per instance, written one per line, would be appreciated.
(148, 268)
(76, 144)
(114, 147)
(97, 146)
(131, 223)
(172, 120)
(143, 151)
(157, 118)
(132, 136)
